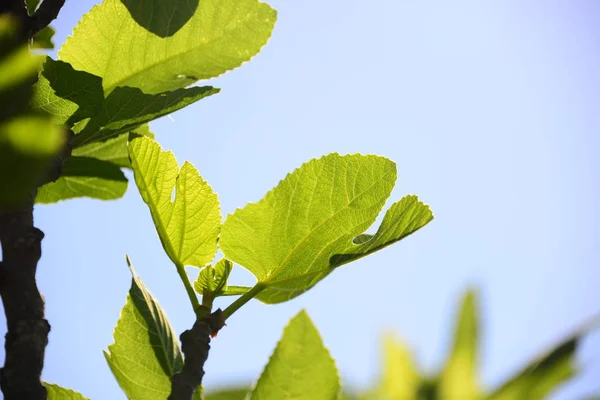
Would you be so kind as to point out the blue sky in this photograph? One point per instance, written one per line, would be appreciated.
(489, 109)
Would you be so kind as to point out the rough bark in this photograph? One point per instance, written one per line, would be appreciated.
(195, 344)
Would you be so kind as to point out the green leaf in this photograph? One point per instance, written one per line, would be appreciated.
(56, 392)
(459, 377)
(113, 150)
(540, 378)
(300, 367)
(212, 281)
(145, 354)
(85, 177)
(219, 36)
(313, 221)
(74, 96)
(400, 378)
(188, 227)
(43, 39)
(228, 394)
(127, 108)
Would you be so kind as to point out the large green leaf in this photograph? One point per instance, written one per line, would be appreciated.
(212, 281)
(400, 378)
(85, 177)
(546, 373)
(145, 354)
(314, 220)
(219, 36)
(188, 227)
(56, 392)
(300, 367)
(458, 379)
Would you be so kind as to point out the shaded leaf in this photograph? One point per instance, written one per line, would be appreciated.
(32, 5)
(113, 150)
(212, 281)
(43, 39)
(313, 222)
(459, 376)
(300, 367)
(219, 36)
(77, 97)
(145, 354)
(127, 108)
(85, 177)
(188, 227)
(56, 392)
(163, 18)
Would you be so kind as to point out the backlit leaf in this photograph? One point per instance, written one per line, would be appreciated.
(313, 222)
(56, 392)
(300, 367)
(145, 354)
(219, 36)
(213, 280)
(188, 226)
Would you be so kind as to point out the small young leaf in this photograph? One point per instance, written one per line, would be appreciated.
(219, 36)
(459, 377)
(213, 280)
(56, 392)
(85, 177)
(544, 375)
(189, 226)
(313, 222)
(300, 367)
(145, 354)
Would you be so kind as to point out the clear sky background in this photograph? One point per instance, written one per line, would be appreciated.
(490, 110)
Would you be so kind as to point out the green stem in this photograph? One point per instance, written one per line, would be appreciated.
(190, 290)
(246, 297)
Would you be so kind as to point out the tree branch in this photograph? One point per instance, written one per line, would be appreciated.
(195, 344)
(27, 334)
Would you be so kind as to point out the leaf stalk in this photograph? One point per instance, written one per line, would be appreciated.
(200, 313)
(243, 299)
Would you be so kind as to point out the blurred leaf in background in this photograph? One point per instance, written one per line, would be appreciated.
(28, 139)
(401, 379)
